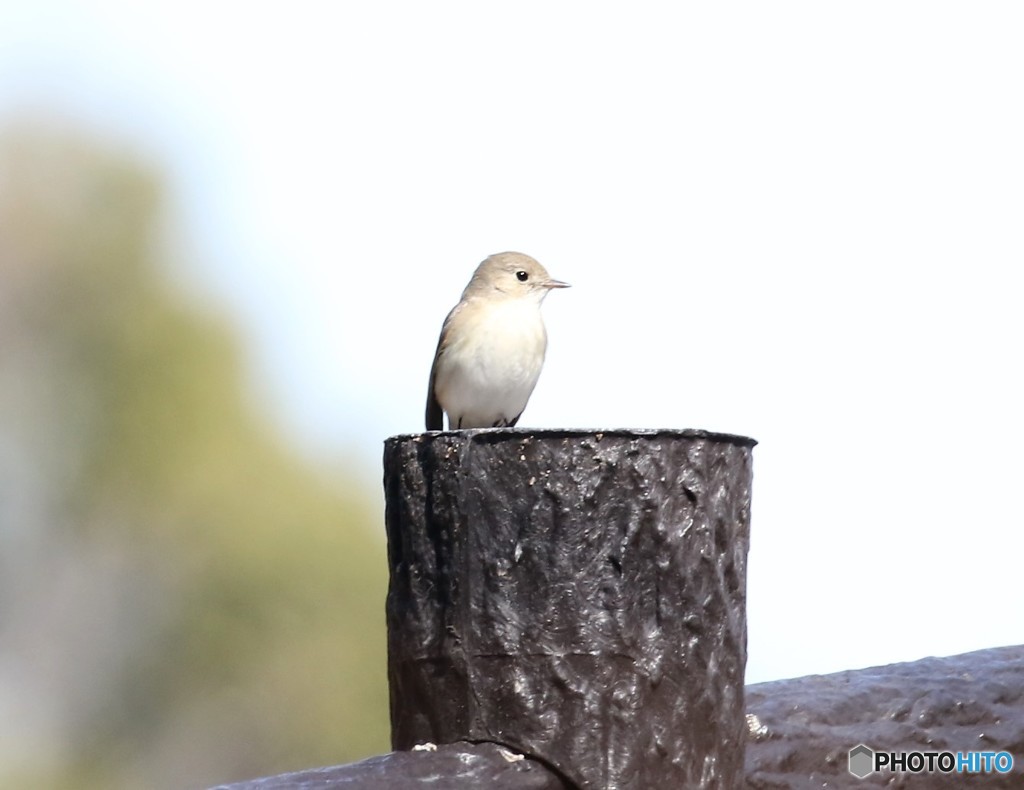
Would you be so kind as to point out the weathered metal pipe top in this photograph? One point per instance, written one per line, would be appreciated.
(568, 433)
(577, 596)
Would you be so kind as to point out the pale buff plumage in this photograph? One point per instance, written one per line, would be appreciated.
(492, 346)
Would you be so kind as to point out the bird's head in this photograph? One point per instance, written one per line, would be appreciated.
(511, 275)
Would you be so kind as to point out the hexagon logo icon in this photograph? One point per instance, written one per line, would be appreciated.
(862, 761)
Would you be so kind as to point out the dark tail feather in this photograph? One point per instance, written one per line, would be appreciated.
(434, 415)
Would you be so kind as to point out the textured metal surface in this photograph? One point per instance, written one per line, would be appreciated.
(800, 733)
(577, 596)
(804, 728)
(460, 766)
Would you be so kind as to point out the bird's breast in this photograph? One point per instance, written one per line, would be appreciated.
(492, 359)
(509, 342)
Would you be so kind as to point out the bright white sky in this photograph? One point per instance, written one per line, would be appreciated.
(796, 221)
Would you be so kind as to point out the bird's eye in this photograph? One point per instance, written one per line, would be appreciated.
(522, 276)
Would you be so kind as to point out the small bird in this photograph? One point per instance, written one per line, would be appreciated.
(492, 346)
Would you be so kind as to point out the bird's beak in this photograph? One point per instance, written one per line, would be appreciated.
(556, 284)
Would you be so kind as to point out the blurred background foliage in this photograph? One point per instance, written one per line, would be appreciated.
(184, 598)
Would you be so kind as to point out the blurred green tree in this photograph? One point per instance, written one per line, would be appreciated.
(184, 598)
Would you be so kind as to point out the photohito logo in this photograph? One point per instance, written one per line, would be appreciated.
(864, 761)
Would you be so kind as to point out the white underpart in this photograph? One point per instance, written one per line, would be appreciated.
(488, 376)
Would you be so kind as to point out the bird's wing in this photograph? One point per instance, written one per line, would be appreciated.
(434, 416)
